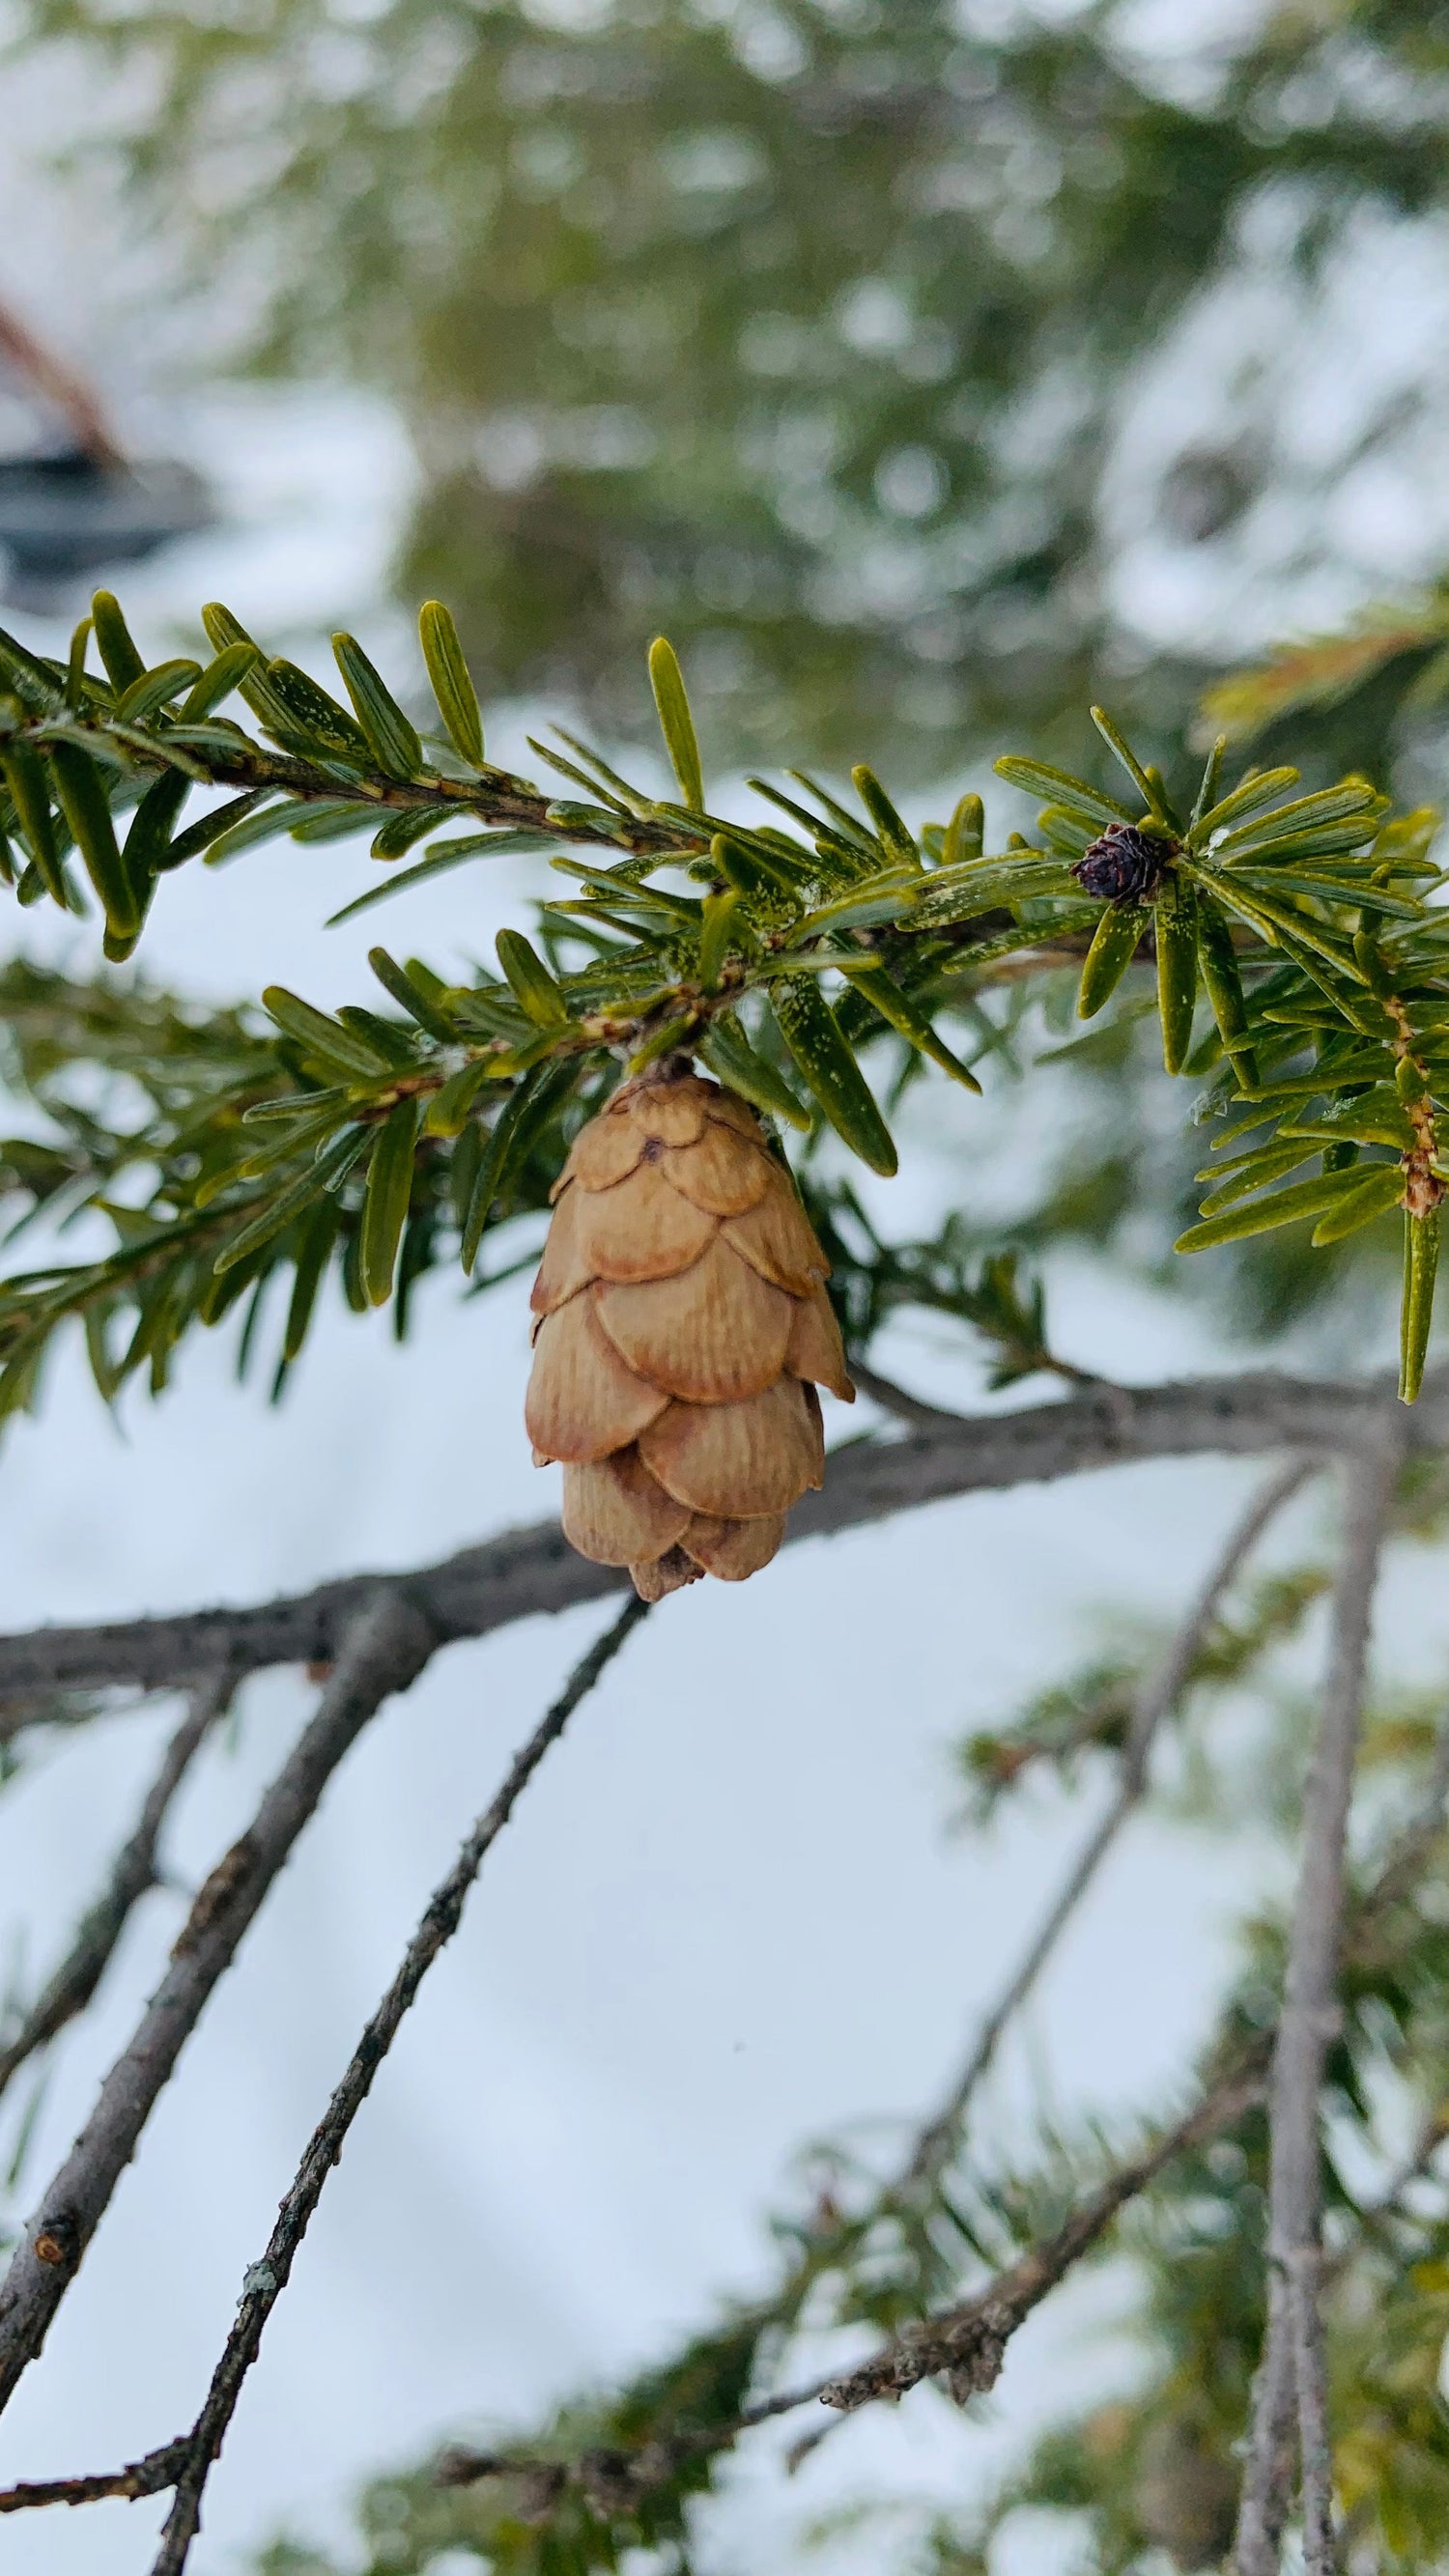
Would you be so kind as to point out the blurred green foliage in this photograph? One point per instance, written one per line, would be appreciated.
(806, 330)
(799, 328)
(371, 1143)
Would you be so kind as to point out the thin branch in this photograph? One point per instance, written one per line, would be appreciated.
(150, 2476)
(966, 2345)
(1309, 2016)
(494, 796)
(1310, 2371)
(526, 1572)
(1158, 1696)
(392, 1642)
(73, 396)
(898, 1400)
(132, 1875)
(265, 2281)
(185, 2462)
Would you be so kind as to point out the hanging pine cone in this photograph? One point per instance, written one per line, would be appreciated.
(682, 1327)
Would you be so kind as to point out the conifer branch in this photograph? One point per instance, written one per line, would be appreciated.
(494, 796)
(1157, 1697)
(132, 1874)
(153, 2475)
(966, 2344)
(185, 2463)
(614, 2481)
(1303, 2278)
(1307, 2022)
(266, 2280)
(531, 1571)
(387, 1649)
(1303, 921)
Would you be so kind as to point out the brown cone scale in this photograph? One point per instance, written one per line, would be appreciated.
(682, 1329)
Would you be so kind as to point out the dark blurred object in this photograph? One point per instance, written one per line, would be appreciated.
(64, 516)
(1207, 491)
(73, 503)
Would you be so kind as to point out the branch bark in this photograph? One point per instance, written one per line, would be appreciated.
(916, 1411)
(1303, 2284)
(1308, 2021)
(150, 2476)
(966, 2345)
(532, 1571)
(266, 2280)
(392, 1642)
(133, 1874)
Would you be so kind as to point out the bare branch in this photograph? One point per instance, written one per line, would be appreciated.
(530, 1571)
(1303, 2270)
(392, 1642)
(914, 1410)
(185, 2462)
(133, 1874)
(266, 2280)
(966, 2344)
(1269, 2477)
(1309, 2016)
(1158, 1696)
(151, 2476)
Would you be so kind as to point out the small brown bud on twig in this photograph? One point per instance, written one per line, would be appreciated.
(57, 2240)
